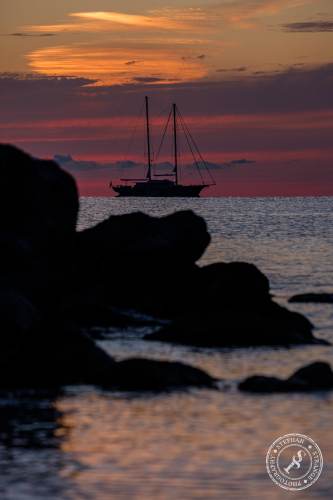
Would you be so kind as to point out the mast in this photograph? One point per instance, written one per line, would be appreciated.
(174, 108)
(148, 140)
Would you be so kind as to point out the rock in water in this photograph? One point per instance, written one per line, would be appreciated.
(314, 377)
(48, 360)
(231, 284)
(320, 298)
(149, 261)
(53, 356)
(178, 238)
(150, 375)
(234, 309)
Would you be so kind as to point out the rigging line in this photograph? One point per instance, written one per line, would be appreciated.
(188, 137)
(161, 113)
(163, 136)
(204, 163)
(190, 145)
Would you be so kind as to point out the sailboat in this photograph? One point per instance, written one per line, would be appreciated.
(151, 186)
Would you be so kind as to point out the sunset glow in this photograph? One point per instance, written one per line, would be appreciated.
(252, 77)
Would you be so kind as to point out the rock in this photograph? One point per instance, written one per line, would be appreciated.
(39, 203)
(231, 284)
(317, 376)
(44, 361)
(179, 238)
(149, 375)
(271, 325)
(53, 356)
(149, 261)
(232, 307)
(320, 298)
(40, 199)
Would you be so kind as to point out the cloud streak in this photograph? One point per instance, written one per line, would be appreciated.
(165, 19)
(309, 27)
(22, 34)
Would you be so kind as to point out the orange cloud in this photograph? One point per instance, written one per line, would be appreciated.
(166, 19)
(241, 13)
(138, 21)
(110, 64)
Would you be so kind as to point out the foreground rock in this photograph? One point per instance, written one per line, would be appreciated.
(47, 361)
(317, 376)
(40, 199)
(39, 206)
(320, 298)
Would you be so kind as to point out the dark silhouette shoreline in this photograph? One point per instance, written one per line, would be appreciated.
(57, 283)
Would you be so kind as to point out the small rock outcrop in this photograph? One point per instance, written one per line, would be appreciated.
(317, 376)
(149, 375)
(316, 298)
(235, 309)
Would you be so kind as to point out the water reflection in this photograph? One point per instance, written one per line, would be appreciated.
(194, 445)
(31, 462)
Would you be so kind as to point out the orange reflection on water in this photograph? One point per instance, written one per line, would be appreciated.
(199, 445)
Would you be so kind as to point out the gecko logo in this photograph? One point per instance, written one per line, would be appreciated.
(294, 462)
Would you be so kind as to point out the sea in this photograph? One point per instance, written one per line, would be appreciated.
(193, 444)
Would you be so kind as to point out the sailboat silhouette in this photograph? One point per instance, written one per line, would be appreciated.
(150, 186)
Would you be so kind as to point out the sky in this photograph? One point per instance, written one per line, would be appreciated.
(252, 78)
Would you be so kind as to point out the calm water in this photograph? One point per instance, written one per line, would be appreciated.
(88, 444)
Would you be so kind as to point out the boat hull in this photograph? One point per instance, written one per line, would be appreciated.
(153, 190)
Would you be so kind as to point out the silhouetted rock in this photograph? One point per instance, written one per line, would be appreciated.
(267, 324)
(149, 261)
(317, 376)
(232, 307)
(179, 238)
(229, 305)
(40, 199)
(52, 356)
(55, 281)
(320, 298)
(232, 284)
(149, 375)
(39, 203)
